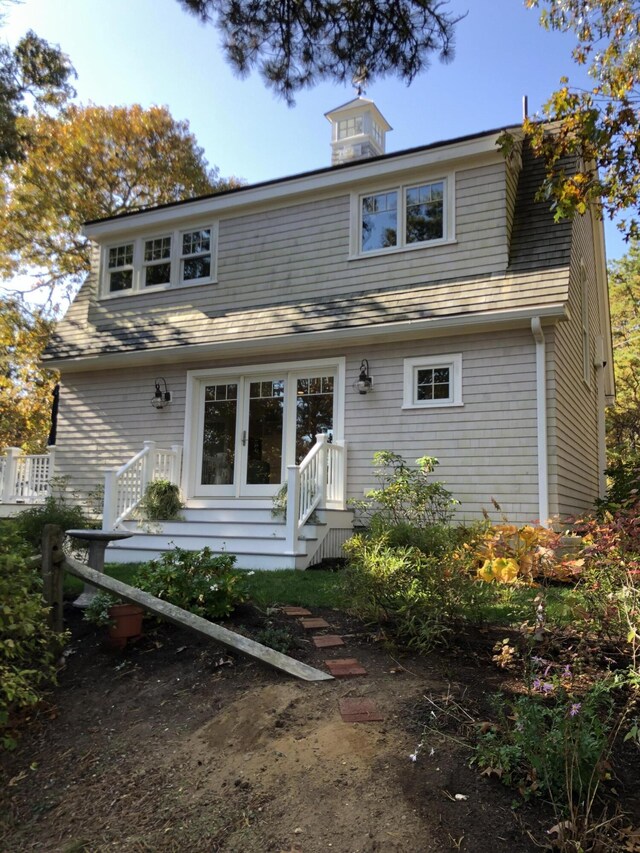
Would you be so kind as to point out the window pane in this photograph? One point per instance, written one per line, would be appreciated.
(121, 256)
(433, 383)
(121, 280)
(219, 436)
(196, 268)
(425, 213)
(195, 242)
(157, 274)
(158, 249)
(379, 221)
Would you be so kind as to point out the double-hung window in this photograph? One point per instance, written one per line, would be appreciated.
(159, 261)
(403, 217)
(433, 381)
(120, 267)
(195, 260)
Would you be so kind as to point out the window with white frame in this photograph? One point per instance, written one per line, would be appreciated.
(403, 217)
(120, 267)
(348, 127)
(157, 262)
(172, 259)
(433, 381)
(195, 260)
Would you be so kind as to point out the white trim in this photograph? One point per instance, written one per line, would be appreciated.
(139, 265)
(541, 417)
(271, 193)
(584, 325)
(448, 221)
(197, 378)
(453, 361)
(278, 345)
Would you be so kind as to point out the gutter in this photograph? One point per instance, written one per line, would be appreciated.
(541, 412)
(328, 339)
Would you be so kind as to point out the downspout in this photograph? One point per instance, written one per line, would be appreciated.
(602, 427)
(541, 412)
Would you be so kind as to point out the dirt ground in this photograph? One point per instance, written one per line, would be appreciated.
(175, 745)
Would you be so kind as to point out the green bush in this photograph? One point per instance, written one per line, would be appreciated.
(416, 599)
(550, 742)
(433, 539)
(161, 501)
(405, 495)
(198, 581)
(623, 487)
(28, 647)
(55, 510)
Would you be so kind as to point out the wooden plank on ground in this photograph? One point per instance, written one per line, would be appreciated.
(196, 623)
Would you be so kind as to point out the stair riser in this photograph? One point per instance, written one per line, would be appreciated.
(206, 529)
(267, 562)
(266, 545)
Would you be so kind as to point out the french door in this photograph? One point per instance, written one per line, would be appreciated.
(251, 426)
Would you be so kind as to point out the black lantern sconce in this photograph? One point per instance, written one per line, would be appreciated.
(161, 398)
(364, 383)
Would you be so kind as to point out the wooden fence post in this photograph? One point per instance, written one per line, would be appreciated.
(53, 574)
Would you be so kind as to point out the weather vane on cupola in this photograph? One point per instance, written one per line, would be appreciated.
(359, 80)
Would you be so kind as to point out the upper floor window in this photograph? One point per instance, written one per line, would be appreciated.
(120, 267)
(172, 259)
(157, 261)
(195, 261)
(402, 217)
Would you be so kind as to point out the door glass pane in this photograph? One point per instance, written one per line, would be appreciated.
(314, 412)
(264, 436)
(219, 434)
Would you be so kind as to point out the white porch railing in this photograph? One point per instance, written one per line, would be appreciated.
(318, 482)
(124, 487)
(25, 478)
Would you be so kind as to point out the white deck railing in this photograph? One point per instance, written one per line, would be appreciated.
(124, 487)
(25, 477)
(319, 482)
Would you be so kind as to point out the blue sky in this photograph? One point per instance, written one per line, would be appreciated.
(151, 52)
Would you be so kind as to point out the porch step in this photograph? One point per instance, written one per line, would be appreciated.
(217, 529)
(257, 561)
(248, 532)
(193, 541)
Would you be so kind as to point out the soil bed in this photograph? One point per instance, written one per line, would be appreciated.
(176, 745)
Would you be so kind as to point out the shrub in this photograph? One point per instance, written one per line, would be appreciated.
(55, 510)
(551, 742)
(161, 501)
(510, 554)
(415, 598)
(609, 587)
(198, 581)
(623, 485)
(434, 539)
(28, 647)
(405, 495)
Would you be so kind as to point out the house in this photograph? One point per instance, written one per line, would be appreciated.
(420, 301)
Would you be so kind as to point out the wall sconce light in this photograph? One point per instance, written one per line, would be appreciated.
(161, 398)
(364, 383)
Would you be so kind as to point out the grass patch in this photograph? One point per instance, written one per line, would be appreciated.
(120, 571)
(288, 586)
(512, 605)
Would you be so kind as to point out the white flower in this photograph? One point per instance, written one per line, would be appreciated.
(250, 573)
(414, 756)
(214, 588)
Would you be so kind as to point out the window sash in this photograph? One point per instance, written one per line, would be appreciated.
(404, 216)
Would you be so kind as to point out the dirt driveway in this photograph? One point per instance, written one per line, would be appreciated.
(174, 745)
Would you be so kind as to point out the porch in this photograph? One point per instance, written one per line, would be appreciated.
(311, 524)
(25, 479)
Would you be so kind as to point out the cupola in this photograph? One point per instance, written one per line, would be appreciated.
(358, 131)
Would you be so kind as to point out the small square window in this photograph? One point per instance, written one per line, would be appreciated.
(433, 382)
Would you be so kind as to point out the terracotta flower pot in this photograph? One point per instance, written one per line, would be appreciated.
(126, 623)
